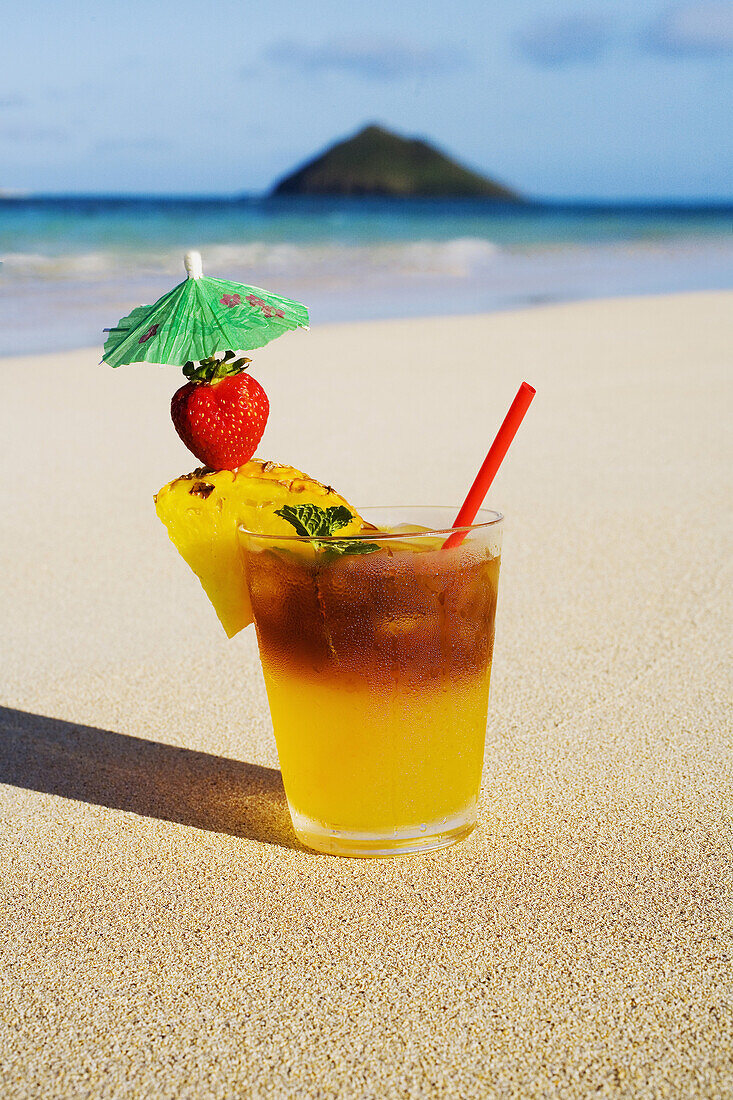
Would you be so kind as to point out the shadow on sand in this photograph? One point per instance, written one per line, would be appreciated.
(144, 777)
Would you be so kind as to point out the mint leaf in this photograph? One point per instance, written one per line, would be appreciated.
(337, 516)
(353, 546)
(311, 521)
(305, 518)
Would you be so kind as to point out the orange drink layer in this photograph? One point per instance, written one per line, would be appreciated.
(377, 669)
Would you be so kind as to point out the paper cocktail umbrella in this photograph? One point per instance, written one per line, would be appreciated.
(199, 318)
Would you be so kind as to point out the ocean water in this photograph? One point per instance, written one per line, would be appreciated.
(72, 266)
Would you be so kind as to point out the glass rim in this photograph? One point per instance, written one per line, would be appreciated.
(383, 536)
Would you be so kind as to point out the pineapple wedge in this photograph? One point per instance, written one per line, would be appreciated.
(202, 511)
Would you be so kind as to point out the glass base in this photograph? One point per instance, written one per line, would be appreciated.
(335, 841)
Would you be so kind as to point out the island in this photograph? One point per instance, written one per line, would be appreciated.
(376, 161)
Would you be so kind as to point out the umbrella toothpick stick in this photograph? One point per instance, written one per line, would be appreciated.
(194, 265)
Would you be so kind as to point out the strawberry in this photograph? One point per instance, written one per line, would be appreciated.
(221, 413)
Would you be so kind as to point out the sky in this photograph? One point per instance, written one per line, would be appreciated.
(606, 99)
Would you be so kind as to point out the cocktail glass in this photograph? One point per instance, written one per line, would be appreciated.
(377, 669)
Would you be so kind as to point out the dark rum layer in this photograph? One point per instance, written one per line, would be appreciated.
(386, 619)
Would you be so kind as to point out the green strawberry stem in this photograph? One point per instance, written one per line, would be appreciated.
(213, 368)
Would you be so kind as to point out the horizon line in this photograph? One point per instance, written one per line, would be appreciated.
(12, 195)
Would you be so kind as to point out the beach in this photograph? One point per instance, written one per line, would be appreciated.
(164, 935)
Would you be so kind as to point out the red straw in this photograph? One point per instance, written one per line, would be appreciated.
(491, 463)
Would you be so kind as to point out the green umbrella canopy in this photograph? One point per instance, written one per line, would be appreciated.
(200, 317)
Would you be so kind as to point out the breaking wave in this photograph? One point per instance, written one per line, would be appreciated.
(258, 260)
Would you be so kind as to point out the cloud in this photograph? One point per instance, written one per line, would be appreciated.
(132, 145)
(565, 40)
(702, 29)
(28, 134)
(369, 58)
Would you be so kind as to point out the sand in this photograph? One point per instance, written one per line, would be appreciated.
(163, 934)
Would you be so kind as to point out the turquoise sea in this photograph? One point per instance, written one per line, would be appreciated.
(72, 266)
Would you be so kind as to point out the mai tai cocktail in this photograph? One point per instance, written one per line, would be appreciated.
(375, 638)
(376, 652)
